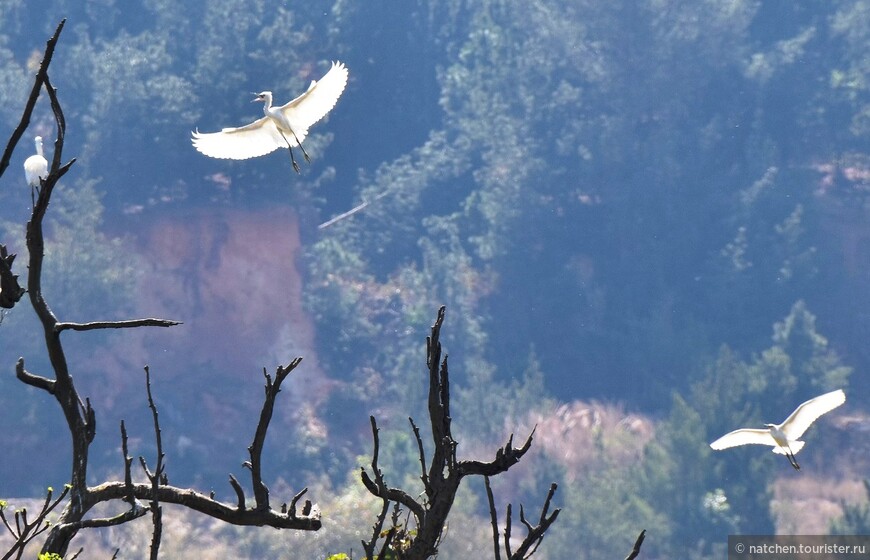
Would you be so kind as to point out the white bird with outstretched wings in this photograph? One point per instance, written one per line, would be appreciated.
(784, 438)
(281, 127)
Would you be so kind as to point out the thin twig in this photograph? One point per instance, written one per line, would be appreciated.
(25, 531)
(240, 494)
(128, 324)
(351, 212)
(369, 547)
(378, 487)
(423, 476)
(507, 531)
(493, 518)
(136, 511)
(158, 474)
(306, 507)
(128, 461)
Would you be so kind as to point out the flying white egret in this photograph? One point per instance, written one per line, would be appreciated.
(36, 166)
(784, 437)
(284, 126)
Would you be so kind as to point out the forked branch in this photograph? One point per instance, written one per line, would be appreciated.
(41, 76)
(255, 450)
(444, 474)
(25, 531)
(534, 533)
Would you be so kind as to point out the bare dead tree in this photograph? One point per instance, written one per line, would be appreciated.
(81, 417)
(534, 534)
(443, 477)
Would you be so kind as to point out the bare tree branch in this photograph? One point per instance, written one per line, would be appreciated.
(10, 290)
(128, 462)
(444, 475)
(80, 419)
(235, 514)
(351, 212)
(31, 99)
(423, 476)
(378, 486)
(493, 518)
(24, 532)
(240, 494)
(369, 546)
(135, 512)
(505, 458)
(255, 450)
(128, 324)
(636, 550)
(535, 534)
(158, 475)
(37, 381)
(306, 507)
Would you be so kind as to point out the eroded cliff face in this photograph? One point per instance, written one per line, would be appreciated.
(231, 277)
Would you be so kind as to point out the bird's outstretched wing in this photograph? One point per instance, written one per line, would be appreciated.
(320, 98)
(807, 413)
(256, 139)
(745, 436)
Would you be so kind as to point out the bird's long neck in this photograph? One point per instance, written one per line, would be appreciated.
(267, 103)
(38, 143)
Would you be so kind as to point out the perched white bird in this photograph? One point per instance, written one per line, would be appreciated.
(36, 166)
(284, 126)
(784, 437)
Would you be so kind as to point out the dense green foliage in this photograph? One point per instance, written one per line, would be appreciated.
(617, 201)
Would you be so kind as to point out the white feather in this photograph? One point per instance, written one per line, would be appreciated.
(36, 166)
(784, 437)
(264, 135)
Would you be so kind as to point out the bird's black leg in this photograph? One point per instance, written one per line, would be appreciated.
(791, 459)
(301, 147)
(34, 192)
(289, 147)
(293, 160)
